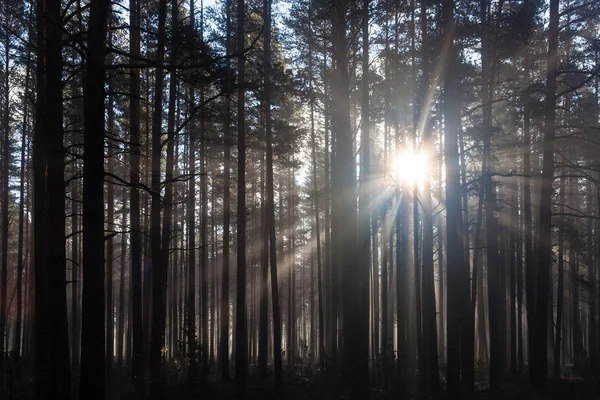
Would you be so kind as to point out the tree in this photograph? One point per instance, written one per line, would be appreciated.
(539, 365)
(134, 201)
(159, 268)
(92, 338)
(241, 346)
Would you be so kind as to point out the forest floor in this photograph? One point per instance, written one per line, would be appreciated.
(317, 387)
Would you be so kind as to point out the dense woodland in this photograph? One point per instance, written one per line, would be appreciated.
(303, 198)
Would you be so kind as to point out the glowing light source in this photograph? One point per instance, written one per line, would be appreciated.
(411, 166)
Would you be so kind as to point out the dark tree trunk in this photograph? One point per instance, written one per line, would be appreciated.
(157, 336)
(539, 364)
(5, 140)
(430, 345)
(271, 199)
(45, 388)
(224, 328)
(316, 200)
(137, 333)
(355, 366)
(110, 227)
(190, 308)
(457, 332)
(122, 267)
(93, 339)
(203, 225)
(20, 252)
(561, 282)
(241, 333)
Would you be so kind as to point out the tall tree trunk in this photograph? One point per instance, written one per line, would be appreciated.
(20, 252)
(430, 345)
(530, 266)
(93, 339)
(134, 202)
(5, 196)
(561, 280)
(168, 199)
(316, 202)
(190, 308)
(203, 223)
(355, 366)
(159, 267)
(454, 244)
(56, 293)
(539, 364)
(44, 384)
(592, 334)
(241, 350)
(363, 201)
(513, 228)
(271, 199)
(121, 309)
(263, 240)
(493, 273)
(224, 329)
(110, 227)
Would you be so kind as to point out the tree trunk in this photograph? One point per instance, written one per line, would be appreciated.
(271, 200)
(203, 224)
(110, 227)
(134, 201)
(241, 350)
(539, 364)
(316, 200)
(20, 253)
(561, 280)
(430, 345)
(93, 339)
(121, 313)
(454, 244)
(224, 340)
(159, 267)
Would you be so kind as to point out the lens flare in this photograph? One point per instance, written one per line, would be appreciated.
(411, 166)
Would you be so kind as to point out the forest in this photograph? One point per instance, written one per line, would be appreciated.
(336, 199)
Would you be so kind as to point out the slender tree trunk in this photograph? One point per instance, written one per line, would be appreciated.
(20, 253)
(203, 224)
(561, 280)
(271, 200)
(539, 364)
(224, 340)
(44, 384)
(316, 200)
(364, 200)
(430, 344)
(121, 313)
(5, 192)
(241, 350)
(110, 227)
(513, 228)
(592, 334)
(263, 239)
(454, 244)
(159, 267)
(134, 202)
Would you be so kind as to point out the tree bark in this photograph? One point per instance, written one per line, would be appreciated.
(539, 364)
(241, 345)
(93, 339)
(157, 335)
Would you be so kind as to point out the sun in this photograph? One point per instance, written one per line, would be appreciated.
(411, 166)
